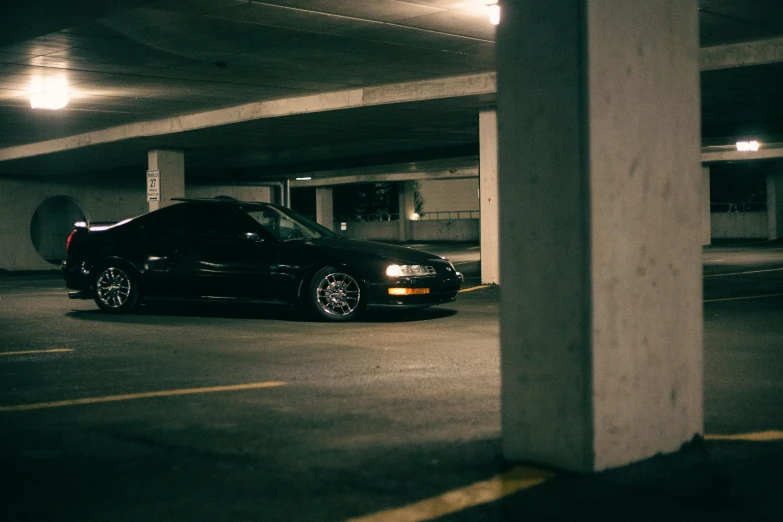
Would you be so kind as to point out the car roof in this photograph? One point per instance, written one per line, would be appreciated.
(226, 200)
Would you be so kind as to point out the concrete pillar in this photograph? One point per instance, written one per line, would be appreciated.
(286, 193)
(488, 189)
(324, 208)
(171, 166)
(706, 220)
(407, 209)
(599, 185)
(775, 201)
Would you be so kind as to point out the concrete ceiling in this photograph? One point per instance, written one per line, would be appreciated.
(131, 61)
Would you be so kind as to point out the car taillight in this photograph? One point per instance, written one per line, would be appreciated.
(68, 243)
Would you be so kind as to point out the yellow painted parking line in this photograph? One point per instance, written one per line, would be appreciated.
(742, 298)
(744, 273)
(27, 294)
(514, 480)
(145, 395)
(28, 352)
(760, 436)
(474, 288)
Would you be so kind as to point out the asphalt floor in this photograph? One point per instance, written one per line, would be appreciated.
(207, 412)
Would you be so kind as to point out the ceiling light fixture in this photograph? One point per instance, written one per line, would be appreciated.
(304, 179)
(493, 11)
(48, 93)
(747, 146)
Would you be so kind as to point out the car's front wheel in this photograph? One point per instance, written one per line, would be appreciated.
(335, 295)
(116, 289)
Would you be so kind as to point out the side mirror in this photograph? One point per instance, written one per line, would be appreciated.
(253, 236)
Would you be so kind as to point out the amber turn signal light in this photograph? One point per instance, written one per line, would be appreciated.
(408, 291)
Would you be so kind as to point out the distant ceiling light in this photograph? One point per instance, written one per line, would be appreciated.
(304, 179)
(493, 11)
(48, 93)
(747, 146)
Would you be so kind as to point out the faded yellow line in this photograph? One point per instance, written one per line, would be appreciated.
(474, 288)
(744, 273)
(18, 294)
(27, 352)
(145, 395)
(760, 436)
(741, 298)
(482, 492)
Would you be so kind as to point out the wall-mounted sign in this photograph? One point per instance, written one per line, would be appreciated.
(153, 185)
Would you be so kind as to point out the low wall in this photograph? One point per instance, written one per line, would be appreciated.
(428, 230)
(446, 230)
(735, 225)
(370, 230)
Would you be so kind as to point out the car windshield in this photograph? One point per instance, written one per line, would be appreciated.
(286, 224)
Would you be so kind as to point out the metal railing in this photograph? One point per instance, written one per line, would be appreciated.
(422, 216)
(368, 218)
(451, 214)
(746, 206)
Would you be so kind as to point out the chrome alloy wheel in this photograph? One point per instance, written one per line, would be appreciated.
(113, 287)
(338, 294)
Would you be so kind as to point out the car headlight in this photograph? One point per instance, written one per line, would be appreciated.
(406, 270)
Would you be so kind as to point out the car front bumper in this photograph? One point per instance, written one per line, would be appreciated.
(442, 289)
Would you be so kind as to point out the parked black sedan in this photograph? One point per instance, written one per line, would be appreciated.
(226, 249)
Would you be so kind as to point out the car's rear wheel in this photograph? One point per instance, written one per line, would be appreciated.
(335, 295)
(116, 289)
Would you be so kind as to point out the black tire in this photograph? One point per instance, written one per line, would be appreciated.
(116, 288)
(335, 295)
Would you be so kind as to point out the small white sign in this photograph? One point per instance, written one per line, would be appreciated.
(153, 185)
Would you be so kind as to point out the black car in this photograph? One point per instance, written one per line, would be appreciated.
(226, 249)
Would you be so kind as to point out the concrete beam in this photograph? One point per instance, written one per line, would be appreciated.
(451, 87)
(712, 58)
(461, 168)
(730, 153)
(759, 52)
(455, 168)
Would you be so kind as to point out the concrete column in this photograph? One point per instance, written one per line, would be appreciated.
(599, 185)
(286, 196)
(488, 190)
(775, 201)
(407, 208)
(171, 165)
(324, 208)
(706, 220)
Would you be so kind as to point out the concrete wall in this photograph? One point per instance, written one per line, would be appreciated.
(446, 230)
(99, 202)
(52, 222)
(736, 225)
(241, 192)
(440, 230)
(19, 201)
(374, 230)
(449, 194)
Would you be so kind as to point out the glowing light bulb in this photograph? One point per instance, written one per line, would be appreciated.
(748, 146)
(48, 93)
(493, 10)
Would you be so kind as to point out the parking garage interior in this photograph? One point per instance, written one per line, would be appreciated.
(588, 165)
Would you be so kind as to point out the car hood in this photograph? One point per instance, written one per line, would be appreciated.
(391, 252)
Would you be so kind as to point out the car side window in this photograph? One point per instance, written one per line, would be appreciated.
(163, 223)
(213, 221)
